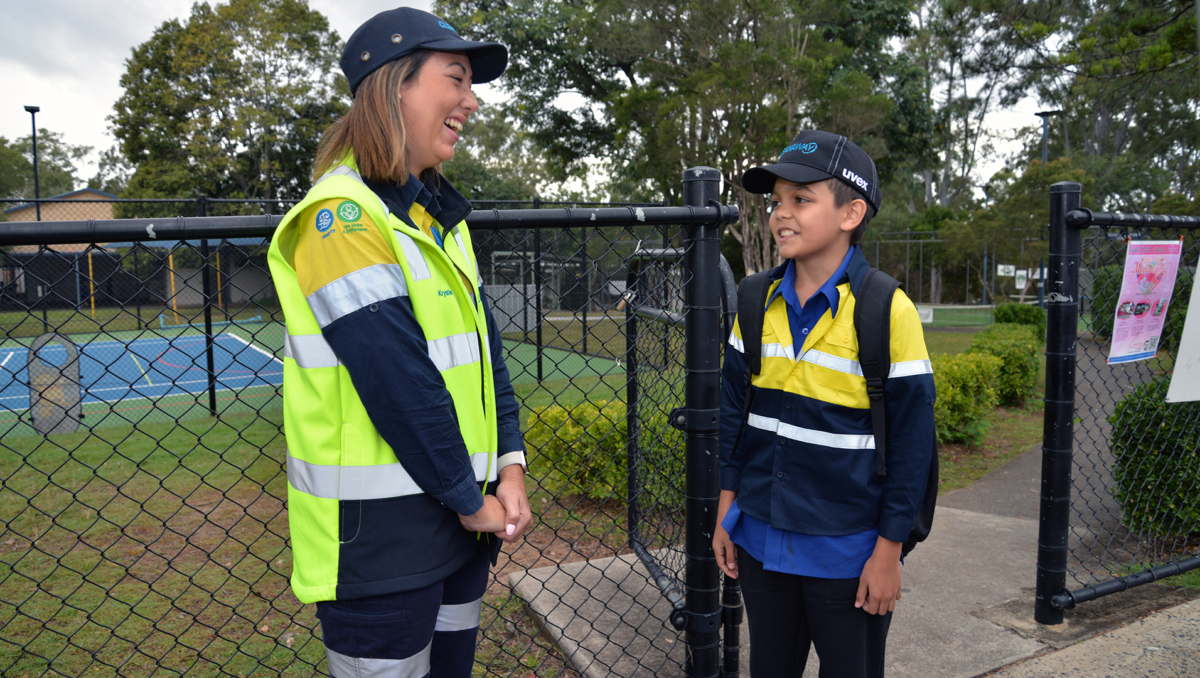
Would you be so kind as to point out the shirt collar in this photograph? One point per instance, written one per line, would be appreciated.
(443, 202)
(787, 286)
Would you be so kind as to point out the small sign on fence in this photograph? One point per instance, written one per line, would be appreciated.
(1185, 381)
(1006, 270)
(1149, 279)
(925, 313)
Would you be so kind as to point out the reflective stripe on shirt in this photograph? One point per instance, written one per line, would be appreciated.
(356, 290)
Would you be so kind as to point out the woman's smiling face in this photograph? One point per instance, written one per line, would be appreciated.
(435, 106)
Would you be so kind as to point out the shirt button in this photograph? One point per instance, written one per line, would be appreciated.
(846, 338)
(780, 474)
(804, 331)
(787, 407)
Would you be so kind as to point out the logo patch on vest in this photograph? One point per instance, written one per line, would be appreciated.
(445, 293)
(324, 222)
(349, 211)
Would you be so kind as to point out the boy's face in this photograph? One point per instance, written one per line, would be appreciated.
(807, 222)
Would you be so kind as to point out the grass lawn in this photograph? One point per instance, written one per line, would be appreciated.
(154, 539)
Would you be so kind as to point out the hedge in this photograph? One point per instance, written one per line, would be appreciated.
(582, 450)
(966, 395)
(1106, 292)
(1156, 446)
(1020, 348)
(1022, 314)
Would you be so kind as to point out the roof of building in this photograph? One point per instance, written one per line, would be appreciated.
(100, 195)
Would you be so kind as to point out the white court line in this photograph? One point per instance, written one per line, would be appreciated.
(256, 348)
(192, 381)
(7, 357)
(169, 395)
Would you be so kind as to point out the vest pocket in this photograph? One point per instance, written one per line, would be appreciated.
(350, 511)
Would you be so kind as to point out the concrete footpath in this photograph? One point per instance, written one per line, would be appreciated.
(967, 607)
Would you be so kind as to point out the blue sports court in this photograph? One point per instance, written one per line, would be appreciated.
(154, 367)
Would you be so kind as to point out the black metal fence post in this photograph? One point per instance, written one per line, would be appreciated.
(206, 278)
(537, 287)
(702, 356)
(1062, 318)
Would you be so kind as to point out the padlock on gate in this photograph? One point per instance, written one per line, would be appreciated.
(55, 392)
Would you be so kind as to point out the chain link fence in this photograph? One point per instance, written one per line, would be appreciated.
(1121, 480)
(143, 524)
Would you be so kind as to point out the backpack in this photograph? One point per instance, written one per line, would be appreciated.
(872, 323)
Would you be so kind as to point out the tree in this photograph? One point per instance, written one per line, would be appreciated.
(495, 160)
(57, 162)
(651, 87)
(231, 103)
(1013, 230)
(1124, 73)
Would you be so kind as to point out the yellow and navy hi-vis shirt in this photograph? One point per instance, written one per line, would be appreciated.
(806, 458)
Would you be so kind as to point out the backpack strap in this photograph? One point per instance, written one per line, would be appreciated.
(873, 325)
(752, 299)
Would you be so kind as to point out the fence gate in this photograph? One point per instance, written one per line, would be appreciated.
(146, 533)
(1120, 502)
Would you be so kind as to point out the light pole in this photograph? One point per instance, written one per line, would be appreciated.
(1044, 115)
(37, 192)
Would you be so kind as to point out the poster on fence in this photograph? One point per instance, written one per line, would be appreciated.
(1150, 268)
(1185, 380)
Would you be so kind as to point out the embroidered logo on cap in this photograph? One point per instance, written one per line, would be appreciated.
(810, 147)
(447, 26)
(855, 179)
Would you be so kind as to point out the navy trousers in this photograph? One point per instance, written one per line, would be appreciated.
(788, 613)
(412, 634)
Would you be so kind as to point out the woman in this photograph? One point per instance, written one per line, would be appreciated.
(405, 458)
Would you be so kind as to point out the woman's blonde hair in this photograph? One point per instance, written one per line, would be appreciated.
(373, 128)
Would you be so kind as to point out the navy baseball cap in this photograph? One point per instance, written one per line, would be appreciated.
(389, 35)
(816, 156)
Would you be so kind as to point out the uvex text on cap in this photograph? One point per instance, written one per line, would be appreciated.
(815, 156)
(389, 35)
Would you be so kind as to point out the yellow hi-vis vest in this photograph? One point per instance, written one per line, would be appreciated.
(345, 484)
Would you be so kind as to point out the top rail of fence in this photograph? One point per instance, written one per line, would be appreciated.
(1082, 218)
(199, 228)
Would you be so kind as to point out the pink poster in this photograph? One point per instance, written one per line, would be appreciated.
(1150, 268)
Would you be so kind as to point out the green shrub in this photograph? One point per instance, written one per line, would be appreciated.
(966, 395)
(1019, 348)
(580, 450)
(1106, 292)
(1022, 314)
(1155, 445)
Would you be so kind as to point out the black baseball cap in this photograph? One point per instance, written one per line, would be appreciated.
(815, 156)
(389, 35)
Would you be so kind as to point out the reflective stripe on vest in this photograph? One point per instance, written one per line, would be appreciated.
(416, 260)
(310, 351)
(357, 483)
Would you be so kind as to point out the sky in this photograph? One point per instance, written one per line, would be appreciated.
(67, 57)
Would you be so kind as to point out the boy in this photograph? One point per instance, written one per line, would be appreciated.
(813, 534)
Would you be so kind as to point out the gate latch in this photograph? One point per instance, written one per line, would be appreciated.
(695, 421)
(697, 622)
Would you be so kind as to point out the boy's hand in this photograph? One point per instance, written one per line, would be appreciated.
(723, 548)
(879, 585)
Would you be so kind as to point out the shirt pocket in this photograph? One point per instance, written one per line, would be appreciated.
(834, 369)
